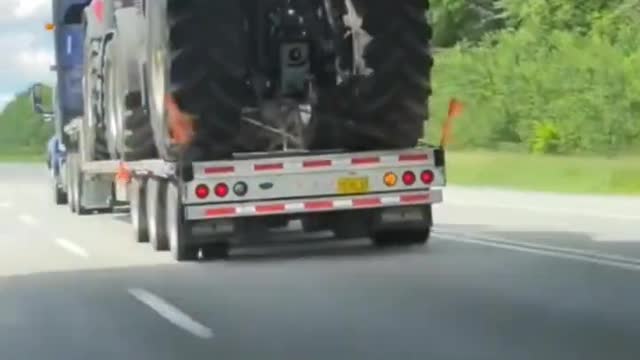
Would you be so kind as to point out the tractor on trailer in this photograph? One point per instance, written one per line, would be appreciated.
(215, 120)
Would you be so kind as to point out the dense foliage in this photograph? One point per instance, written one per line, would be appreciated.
(555, 76)
(21, 130)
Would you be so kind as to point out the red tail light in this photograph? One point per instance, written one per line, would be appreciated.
(221, 190)
(427, 177)
(409, 178)
(202, 191)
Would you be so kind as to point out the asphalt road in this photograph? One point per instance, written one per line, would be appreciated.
(506, 276)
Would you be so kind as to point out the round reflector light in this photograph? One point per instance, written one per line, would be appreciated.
(390, 179)
(409, 178)
(240, 188)
(202, 191)
(427, 176)
(221, 190)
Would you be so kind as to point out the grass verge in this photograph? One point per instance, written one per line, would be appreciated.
(514, 170)
(15, 157)
(545, 173)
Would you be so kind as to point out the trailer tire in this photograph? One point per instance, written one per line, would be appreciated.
(403, 237)
(178, 229)
(59, 194)
(388, 108)
(156, 215)
(216, 251)
(206, 45)
(138, 206)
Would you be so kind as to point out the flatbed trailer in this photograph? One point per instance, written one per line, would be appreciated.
(209, 206)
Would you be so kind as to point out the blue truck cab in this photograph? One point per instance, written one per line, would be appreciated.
(68, 102)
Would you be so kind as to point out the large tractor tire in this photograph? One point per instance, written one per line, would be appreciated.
(112, 122)
(94, 145)
(129, 130)
(197, 54)
(386, 108)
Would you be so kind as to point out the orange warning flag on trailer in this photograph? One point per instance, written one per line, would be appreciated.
(455, 110)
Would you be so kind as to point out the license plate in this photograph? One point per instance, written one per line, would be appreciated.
(349, 186)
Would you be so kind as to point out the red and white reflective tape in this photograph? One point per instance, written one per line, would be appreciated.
(315, 205)
(316, 163)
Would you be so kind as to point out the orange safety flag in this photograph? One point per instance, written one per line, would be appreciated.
(455, 110)
(180, 123)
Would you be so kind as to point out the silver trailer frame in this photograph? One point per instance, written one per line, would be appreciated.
(178, 208)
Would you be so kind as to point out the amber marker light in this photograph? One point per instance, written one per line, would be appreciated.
(390, 179)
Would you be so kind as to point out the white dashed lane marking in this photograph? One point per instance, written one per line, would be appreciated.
(72, 248)
(171, 313)
(27, 219)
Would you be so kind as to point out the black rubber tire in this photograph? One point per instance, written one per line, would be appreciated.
(101, 144)
(216, 251)
(96, 148)
(178, 229)
(110, 117)
(59, 194)
(388, 109)
(207, 76)
(278, 222)
(138, 137)
(398, 238)
(156, 213)
(138, 206)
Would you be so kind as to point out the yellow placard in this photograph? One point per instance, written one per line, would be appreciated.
(349, 186)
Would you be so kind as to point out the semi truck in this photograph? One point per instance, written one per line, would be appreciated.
(217, 121)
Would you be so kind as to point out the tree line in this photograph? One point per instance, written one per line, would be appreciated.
(546, 76)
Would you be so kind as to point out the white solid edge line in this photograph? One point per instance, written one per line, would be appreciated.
(27, 219)
(171, 313)
(599, 259)
(72, 248)
(560, 249)
(573, 212)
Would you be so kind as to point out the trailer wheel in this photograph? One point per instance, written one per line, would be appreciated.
(403, 237)
(178, 228)
(59, 195)
(156, 214)
(217, 251)
(138, 207)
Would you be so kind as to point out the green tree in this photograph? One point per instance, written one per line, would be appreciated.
(458, 20)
